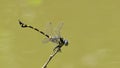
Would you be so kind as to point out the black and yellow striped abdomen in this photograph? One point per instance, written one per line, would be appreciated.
(25, 25)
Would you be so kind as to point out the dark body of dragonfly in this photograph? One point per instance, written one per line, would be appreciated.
(55, 39)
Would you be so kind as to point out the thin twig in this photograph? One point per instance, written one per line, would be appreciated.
(51, 56)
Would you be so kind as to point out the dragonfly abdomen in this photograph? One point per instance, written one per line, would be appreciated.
(25, 25)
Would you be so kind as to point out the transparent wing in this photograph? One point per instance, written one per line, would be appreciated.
(49, 29)
(45, 40)
(57, 30)
(55, 34)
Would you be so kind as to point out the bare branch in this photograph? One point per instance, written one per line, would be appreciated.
(51, 56)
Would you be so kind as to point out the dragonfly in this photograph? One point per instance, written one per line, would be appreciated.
(58, 39)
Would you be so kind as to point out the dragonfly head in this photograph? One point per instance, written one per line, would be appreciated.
(65, 42)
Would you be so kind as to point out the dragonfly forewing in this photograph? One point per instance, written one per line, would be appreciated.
(53, 33)
(49, 29)
(58, 28)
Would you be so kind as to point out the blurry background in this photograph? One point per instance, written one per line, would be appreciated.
(91, 26)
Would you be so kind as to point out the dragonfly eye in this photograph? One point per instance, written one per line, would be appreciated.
(66, 42)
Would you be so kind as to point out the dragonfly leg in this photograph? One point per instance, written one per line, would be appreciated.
(57, 48)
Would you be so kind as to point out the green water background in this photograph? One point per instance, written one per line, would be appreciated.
(91, 26)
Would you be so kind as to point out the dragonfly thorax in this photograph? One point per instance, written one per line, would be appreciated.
(64, 41)
(55, 39)
(59, 40)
